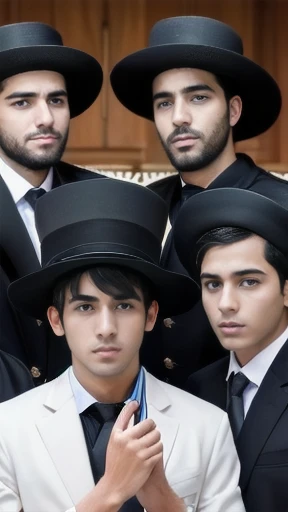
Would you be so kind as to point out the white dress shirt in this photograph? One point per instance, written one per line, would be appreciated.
(83, 399)
(18, 187)
(257, 368)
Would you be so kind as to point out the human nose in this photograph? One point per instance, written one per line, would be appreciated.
(105, 324)
(228, 300)
(44, 115)
(181, 113)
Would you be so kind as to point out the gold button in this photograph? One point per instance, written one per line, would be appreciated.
(169, 363)
(168, 322)
(35, 372)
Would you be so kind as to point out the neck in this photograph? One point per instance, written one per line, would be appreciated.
(35, 178)
(108, 389)
(203, 177)
(245, 356)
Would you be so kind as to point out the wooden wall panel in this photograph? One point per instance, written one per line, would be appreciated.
(281, 58)
(80, 24)
(5, 9)
(126, 22)
(29, 10)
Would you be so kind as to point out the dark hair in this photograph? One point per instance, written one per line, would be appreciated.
(231, 235)
(112, 280)
(227, 87)
(3, 85)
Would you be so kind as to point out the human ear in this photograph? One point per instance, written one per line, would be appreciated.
(285, 293)
(55, 321)
(151, 316)
(235, 110)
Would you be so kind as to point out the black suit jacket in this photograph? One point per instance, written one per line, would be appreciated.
(188, 344)
(14, 377)
(30, 341)
(262, 444)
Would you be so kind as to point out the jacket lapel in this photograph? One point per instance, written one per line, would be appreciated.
(13, 234)
(68, 450)
(264, 412)
(158, 403)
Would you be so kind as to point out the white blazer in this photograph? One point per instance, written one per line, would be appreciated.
(44, 463)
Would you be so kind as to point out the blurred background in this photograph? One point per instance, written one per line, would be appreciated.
(107, 136)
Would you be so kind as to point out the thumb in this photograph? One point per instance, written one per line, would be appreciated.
(125, 415)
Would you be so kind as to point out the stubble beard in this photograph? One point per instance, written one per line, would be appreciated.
(212, 147)
(18, 153)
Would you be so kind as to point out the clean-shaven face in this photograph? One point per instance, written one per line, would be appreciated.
(242, 297)
(34, 119)
(104, 332)
(191, 116)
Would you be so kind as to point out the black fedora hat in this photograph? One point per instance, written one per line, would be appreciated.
(34, 46)
(228, 207)
(202, 43)
(95, 222)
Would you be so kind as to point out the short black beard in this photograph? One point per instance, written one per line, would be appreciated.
(213, 147)
(26, 158)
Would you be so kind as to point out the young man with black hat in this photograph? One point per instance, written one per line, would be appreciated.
(239, 251)
(42, 85)
(101, 284)
(203, 95)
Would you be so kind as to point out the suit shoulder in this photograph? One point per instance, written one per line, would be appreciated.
(73, 172)
(26, 402)
(271, 177)
(165, 183)
(210, 371)
(183, 402)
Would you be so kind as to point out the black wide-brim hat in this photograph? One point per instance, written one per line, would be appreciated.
(34, 46)
(96, 222)
(228, 207)
(202, 43)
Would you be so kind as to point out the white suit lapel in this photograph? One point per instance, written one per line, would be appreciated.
(158, 403)
(61, 432)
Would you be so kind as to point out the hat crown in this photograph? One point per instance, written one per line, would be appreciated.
(100, 216)
(99, 199)
(19, 35)
(195, 30)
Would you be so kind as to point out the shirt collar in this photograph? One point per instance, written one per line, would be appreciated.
(240, 174)
(17, 185)
(257, 368)
(83, 399)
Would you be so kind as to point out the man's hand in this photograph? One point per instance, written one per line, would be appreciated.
(132, 453)
(156, 493)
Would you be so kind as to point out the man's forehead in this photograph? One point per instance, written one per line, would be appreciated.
(248, 250)
(190, 75)
(34, 80)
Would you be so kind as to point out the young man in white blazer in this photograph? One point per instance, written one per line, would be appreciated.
(64, 446)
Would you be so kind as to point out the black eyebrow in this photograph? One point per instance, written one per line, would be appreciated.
(91, 298)
(86, 298)
(185, 90)
(26, 94)
(246, 271)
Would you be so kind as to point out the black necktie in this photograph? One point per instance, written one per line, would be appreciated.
(237, 383)
(98, 421)
(33, 195)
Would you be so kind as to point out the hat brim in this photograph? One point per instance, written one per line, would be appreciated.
(32, 294)
(82, 72)
(228, 207)
(132, 79)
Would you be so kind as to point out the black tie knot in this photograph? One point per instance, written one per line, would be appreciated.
(33, 195)
(104, 412)
(238, 384)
